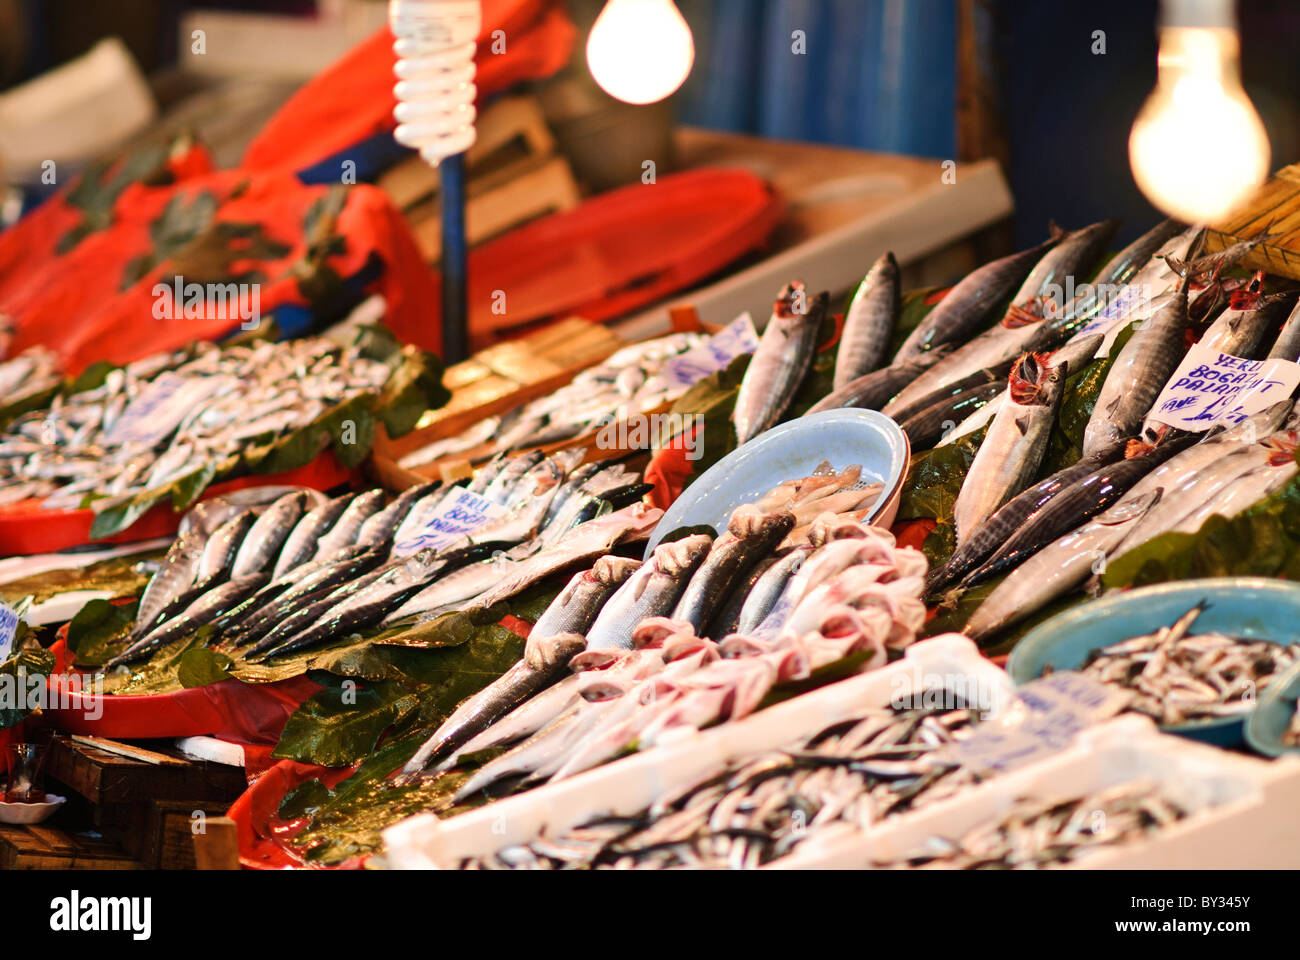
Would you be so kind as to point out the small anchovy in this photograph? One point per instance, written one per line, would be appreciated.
(202, 611)
(873, 391)
(267, 535)
(1013, 448)
(869, 322)
(494, 701)
(779, 365)
(652, 591)
(752, 535)
(969, 306)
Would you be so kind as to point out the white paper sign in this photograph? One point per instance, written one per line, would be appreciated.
(1042, 720)
(455, 515)
(8, 628)
(1211, 388)
(735, 339)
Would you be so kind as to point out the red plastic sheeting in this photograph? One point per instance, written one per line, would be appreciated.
(353, 99)
(622, 249)
(26, 528)
(83, 307)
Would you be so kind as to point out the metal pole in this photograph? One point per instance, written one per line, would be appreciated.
(455, 262)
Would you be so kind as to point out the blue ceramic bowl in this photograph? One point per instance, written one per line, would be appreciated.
(788, 452)
(1256, 608)
(1273, 713)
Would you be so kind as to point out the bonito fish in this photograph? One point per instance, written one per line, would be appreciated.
(784, 355)
(869, 323)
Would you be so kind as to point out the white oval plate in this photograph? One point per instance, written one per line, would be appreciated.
(30, 812)
(788, 452)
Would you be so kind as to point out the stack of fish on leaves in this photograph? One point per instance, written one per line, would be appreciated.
(630, 653)
(174, 415)
(972, 371)
(32, 372)
(306, 570)
(846, 778)
(630, 382)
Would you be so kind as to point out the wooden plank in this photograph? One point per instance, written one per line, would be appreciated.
(39, 847)
(107, 779)
(126, 750)
(1275, 208)
(534, 190)
(218, 847)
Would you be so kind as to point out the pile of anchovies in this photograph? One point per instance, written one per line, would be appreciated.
(1042, 833)
(304, 569)
(168, 416)
(624, 385)
(857, 772)
(30, 372)
(1176, 676)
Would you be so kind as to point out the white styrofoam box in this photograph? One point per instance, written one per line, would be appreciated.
(74, 112)
(1242, 808)
(630, 784)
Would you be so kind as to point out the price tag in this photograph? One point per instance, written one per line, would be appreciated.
(1211, 388)
(455, 515)
(736, 339)
(8, 629)
(1042, 719)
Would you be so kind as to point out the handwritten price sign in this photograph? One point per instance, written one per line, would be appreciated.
(1211, 388)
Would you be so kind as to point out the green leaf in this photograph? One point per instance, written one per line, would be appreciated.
(92, 378)
(414, 388)
(99, 631)
(200, 666)
(15, 408)
(340, 725)
(117, 575)
(17, 675)
(115, 519)
(304, 800)
(188, 489)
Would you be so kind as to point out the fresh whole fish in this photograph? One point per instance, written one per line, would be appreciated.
(202, 611)
(515, 686)
(969, 306)
(1287, 344)
(902, 412)
(300, 546)
(874, 390)
(346, 529)
(267, 535)
(752, 535)
(382, 527)
(221, 548)
(768, 590)
(652, 591)
(779, 365)
(928, 427)
(1013, 448)
(869, 322)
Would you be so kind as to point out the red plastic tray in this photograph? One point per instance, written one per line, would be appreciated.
(26, 528)
(622, 249)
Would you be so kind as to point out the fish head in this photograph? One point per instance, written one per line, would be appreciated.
(792, 301)
(612, 571)
(677, 557)
(654, 631)
(1034, 381)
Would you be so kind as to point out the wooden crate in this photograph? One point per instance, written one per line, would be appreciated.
(493, 381)
(40, 847)
(163, 838)
(1275, 208)
(109, 781)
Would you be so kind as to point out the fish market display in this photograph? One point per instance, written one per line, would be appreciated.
(1176, 676)
(306, 570)
(1037, 834)
(626, 384)
(857, 772)
(662, 648)
(784, 354)
(173, 416)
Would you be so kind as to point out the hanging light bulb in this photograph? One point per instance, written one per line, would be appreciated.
(1198, 148)
(640, 51)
